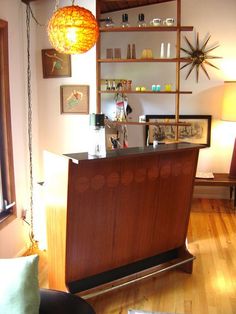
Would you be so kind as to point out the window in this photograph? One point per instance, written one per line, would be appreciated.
(7, 184)
(1, 196)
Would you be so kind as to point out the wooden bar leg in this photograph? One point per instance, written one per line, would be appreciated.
(187, 267)
(231, 192)
(234, 196)
(184, 254)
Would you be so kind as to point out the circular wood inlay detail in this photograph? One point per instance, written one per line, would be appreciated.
(97, 182)
(113, 180)
(153, 173)
(140, 175)
(177, 169)
(165, 171)
(187, 168)
(83, 184)
(127, 177)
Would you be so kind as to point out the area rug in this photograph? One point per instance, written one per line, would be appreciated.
(147, 312)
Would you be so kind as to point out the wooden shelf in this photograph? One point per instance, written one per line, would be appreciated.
(147, 29)
(144, 60)
(149, 123)
(220, 179)
(144, 92)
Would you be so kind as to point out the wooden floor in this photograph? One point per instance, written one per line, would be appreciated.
(210, 289)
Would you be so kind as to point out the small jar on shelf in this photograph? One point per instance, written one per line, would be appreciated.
(109, 22)
(129, 85)
(141, 21)
(125, 20)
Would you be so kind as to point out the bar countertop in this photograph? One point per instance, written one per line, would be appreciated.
(135, 151)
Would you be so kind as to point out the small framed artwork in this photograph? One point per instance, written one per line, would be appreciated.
(55, 64)
(198, 132)
(75, 99)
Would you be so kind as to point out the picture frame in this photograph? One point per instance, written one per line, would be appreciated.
(55, 64)
(74, 99)
(141, 312)
(199, 132)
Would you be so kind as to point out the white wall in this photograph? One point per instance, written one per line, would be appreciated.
(62, 133)
(51, 130)
(214, 17)
(13, 236)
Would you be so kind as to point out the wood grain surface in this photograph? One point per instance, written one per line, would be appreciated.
(211, 289)
(124, 210)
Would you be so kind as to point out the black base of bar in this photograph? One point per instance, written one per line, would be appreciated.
(120, 272)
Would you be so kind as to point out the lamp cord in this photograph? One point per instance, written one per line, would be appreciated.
(56, 5)
(28, 13)
(33, 16)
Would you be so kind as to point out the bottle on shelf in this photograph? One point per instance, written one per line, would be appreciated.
(113, 85)
(129, 52)
(133, 52)
(168, 51)
(141, 21)
(129, 85)
(108, 85)
(125, 20)
(162, 53)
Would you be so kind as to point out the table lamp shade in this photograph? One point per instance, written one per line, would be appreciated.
(229, 114)
(229, 101)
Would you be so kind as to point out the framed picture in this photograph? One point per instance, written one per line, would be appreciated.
(55, 64)
(199, 132)
(75, 99)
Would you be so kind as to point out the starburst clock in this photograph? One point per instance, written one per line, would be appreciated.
(199, 57)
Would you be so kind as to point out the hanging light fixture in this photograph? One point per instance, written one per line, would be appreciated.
(72, 29)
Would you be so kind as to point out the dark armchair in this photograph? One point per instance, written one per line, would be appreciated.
(59, 302)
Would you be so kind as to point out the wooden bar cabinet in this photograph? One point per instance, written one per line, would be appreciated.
(117, 219)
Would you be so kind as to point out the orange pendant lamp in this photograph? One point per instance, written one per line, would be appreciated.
(73, 30)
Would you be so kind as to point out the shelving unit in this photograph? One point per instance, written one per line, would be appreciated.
(143, 92)
(177, 60)
(149, 123)
(147, 29)
(143, 60)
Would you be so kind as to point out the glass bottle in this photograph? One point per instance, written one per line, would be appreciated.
(125, 20)
(128, 51)
(109, 22)
(133, 51)
(141, 21)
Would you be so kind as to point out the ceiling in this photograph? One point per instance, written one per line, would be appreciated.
(112, 5)
(107, 6)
